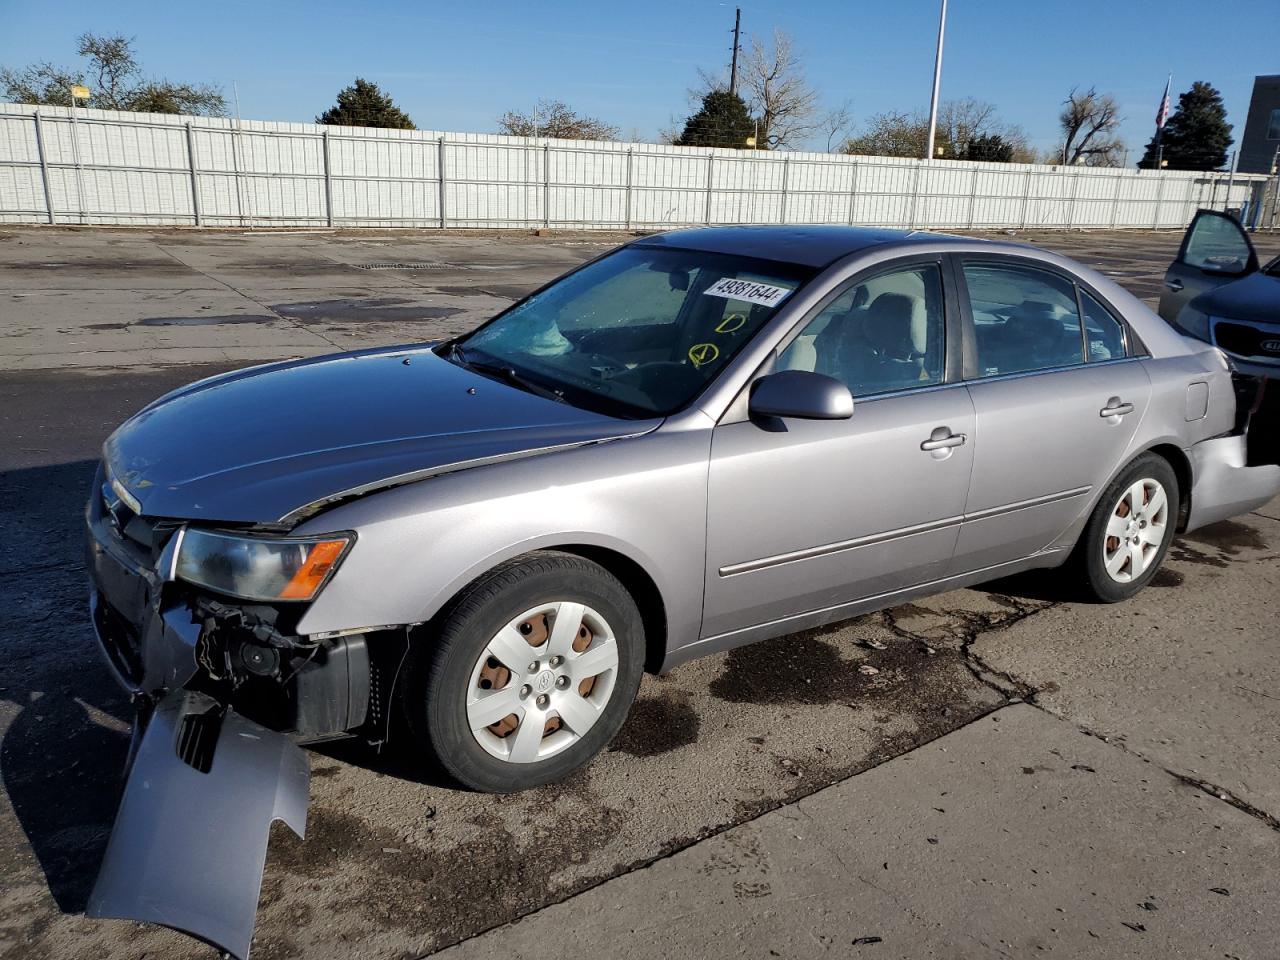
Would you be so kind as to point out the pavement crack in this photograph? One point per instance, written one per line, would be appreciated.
(973, 625)
(1204, 786)
(1227, 797)
(265, 306)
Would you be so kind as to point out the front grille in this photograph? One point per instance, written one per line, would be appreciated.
(120, 638)
(1247, 341)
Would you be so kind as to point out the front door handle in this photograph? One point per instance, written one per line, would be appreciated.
(941, 439)
(1115, 408)
(1175, 284)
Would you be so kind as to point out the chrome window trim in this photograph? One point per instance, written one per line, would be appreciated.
(1059, 369)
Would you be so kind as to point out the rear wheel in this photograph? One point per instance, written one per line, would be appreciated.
(531, 672)
(1130, 530)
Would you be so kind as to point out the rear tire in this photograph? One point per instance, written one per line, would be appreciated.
(1129, 532)
(502, 699)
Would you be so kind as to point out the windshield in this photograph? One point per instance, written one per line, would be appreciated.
(637, 333)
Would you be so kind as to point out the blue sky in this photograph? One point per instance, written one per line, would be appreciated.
(456, 66)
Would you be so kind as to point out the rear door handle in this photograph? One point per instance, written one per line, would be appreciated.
(941, 439)
(1115, 408)
(1175, 284)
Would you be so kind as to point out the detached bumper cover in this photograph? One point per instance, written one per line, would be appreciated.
(1225, 486)
(188, 847)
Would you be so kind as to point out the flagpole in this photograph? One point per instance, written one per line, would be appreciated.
(1160, 129)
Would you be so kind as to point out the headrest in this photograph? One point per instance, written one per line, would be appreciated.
(888, 325)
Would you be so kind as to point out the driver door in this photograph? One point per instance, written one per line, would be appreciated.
(809, 515)
(1215, 250)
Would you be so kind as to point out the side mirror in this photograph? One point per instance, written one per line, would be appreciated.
(802, 395)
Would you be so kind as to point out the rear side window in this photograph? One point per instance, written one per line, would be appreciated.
(1103, 332)
(1024, 319)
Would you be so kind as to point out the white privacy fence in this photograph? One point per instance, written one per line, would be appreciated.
(108, 167)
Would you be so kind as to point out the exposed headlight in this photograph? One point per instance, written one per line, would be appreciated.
(257, 568)
(1194, 323)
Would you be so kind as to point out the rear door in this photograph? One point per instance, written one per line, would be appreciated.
(1057, 396)
(1215, 250)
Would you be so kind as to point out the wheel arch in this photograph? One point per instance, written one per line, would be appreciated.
(632, 572)
(1178, 460)
(643, 589)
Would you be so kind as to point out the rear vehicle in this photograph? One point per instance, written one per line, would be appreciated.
(703, 439)
(1216, 291)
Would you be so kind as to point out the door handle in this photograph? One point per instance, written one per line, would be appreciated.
(948, 439)
(1175, 284)
(1115, 408)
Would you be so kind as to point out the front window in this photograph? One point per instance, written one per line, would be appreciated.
(638, 333)
(879, 336)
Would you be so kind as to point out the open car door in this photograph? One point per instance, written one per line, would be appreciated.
(1215, 250)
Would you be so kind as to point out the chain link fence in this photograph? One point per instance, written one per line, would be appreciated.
(59, 165)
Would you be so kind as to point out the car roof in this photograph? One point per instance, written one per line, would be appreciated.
(811, 245)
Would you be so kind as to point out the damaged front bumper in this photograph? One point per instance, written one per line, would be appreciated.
(190, 839)
(223, 698)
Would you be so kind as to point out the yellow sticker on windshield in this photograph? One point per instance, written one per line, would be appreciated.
(732, 323)
(701, 353)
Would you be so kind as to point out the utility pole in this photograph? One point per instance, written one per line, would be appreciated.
(733, 66)
(937, 80)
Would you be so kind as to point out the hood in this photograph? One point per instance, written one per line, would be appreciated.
(264, 444)
(1254, 299)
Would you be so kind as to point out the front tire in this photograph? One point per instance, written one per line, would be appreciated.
(527, 675)
(1130, 530)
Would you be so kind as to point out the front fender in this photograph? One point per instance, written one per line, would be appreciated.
(418, 545)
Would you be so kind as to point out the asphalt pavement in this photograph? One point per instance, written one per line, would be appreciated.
(1024, 775)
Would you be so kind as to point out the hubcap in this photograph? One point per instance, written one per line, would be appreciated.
(542, 682)
(1135, 530)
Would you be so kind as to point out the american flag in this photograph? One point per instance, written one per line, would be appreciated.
(1162, 112)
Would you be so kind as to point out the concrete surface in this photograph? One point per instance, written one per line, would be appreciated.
(397, 863)
(1016, 836)
(1190, 679)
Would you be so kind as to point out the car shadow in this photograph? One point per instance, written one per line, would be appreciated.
(1048, 586)
(63, 753)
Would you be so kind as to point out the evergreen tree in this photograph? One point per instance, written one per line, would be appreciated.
(722, 121)
(992, 148)
(1196, 135)
(363, 105)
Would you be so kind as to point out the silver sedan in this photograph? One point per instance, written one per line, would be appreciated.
(697, 441)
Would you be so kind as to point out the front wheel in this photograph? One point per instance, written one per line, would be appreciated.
(529, 674)
(1130, 530)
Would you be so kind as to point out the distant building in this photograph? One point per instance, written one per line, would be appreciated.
(1262, 127)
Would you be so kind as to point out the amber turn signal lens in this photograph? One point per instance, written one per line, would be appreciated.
(320, 560)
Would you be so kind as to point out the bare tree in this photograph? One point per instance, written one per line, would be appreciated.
(896, 134)
(554, 118)
(117, 68)
(1089, 122)
(960, 121)
(115, 81)
(837, 123)
(775, 89)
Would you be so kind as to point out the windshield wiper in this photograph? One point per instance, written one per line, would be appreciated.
(504, 373)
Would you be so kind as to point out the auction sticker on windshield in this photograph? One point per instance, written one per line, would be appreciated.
(748, 291)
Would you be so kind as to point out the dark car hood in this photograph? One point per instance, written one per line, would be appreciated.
(1255, 298)
(265, 444)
